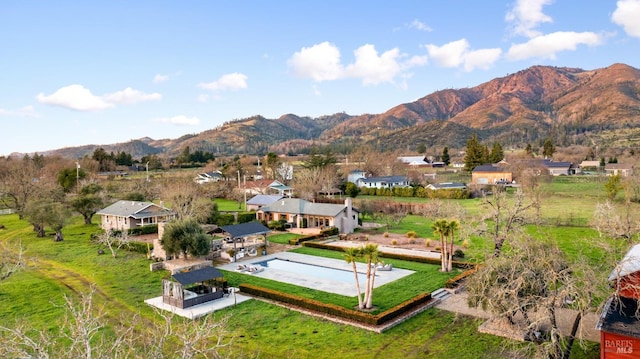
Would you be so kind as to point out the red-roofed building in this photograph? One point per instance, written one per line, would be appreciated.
(619, 324)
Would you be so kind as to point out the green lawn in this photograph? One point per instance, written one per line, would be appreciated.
(260, 330)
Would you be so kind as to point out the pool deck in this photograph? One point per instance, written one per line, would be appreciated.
(202, 309)
(309, 281)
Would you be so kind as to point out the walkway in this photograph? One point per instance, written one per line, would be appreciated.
(385, 249)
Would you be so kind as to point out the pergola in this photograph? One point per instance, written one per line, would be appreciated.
(194, 287)
(242, 230)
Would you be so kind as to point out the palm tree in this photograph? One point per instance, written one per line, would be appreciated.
(351, 254)
(372, 257)
(452, 226)
(441, 227)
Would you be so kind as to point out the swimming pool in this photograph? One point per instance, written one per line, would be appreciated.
(312, 270)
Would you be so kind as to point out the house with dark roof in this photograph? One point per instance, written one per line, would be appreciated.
(300, 213)
(619, 323)
(132, 214)
(383, 182)
(489, 174)
(560, 168)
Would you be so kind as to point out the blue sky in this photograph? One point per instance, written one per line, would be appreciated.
(101, 72)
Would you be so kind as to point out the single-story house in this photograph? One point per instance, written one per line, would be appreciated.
(304, 214)
(260, 200)
(618, 169)
(619, 324)
(266, 186)
(589, 165)
(383, 182)
(132, 214)
(206, 177)
(414, 160)
(489, 174)
(560, 168)
(446, 185)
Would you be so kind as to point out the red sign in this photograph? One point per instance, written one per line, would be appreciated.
(619, 347)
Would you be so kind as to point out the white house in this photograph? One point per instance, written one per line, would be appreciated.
(206, 177)
(383, 182)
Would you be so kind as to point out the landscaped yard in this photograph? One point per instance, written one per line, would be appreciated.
(263, 330)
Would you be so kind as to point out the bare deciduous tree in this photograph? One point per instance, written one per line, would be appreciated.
(507, 214)
(528, 285)
(85, 333)
(609, 223)
(114, 242)
(11, 259)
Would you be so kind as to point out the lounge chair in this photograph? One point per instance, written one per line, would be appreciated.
(384, 267)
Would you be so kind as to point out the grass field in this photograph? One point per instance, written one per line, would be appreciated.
(263, 330)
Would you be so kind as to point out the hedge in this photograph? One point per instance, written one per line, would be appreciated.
(335, 310)
(244, 217)
(405, 257)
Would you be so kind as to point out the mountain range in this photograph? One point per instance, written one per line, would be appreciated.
(570, 105)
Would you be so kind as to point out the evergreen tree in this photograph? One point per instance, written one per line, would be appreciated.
(497, 154)
(475, 155)
(445, 156)
(548, 148)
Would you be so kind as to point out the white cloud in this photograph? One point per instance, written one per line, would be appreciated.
(627, 15)
(374, 69)
(448, 55)
(74, 97)
(180, 120)
(419, 25)
(526, 15)
(130, 96)
(232, 82)
(546, 46)
(203, 98)
(159, 78)
(320, 62)
(77, 97)
(457, 54)
(26, 111)
(481, 59)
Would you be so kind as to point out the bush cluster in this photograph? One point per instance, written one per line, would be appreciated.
(140, 247)
(245, 217)
(417, 191)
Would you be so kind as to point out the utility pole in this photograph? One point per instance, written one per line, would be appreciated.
(147, 166)
(77, 177)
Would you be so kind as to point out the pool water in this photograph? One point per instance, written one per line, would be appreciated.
(335, 274)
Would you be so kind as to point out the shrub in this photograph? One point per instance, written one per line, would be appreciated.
(331, 231)
(277, 225)
(465, 243)
(427, 242)
(411, 234)
(412, 240)
(394, 242)
(458, 253)
(386, 234)
(225, 219)
(245, 217)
